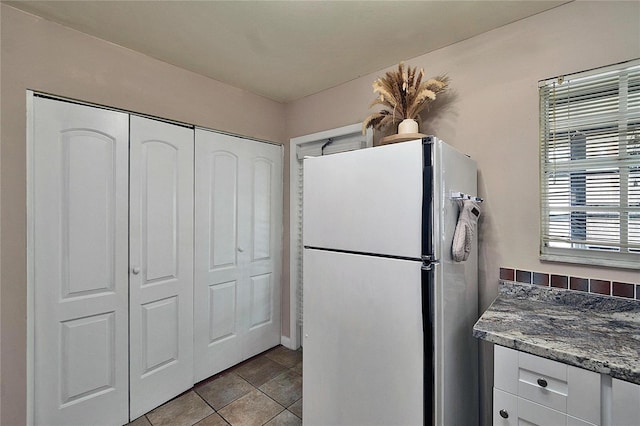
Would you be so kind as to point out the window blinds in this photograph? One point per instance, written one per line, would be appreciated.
(590, 166)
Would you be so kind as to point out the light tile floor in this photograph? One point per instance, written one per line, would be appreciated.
(265, 390)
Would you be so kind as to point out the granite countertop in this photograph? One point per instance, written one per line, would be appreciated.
(598, 333)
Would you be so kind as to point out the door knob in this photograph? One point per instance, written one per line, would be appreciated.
(135, 270)
(504, 414)
(542, 382)
(240, 249)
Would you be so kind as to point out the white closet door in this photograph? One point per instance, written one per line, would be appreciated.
(261, 242)
(79, 186)
(237, 250)
(161, 263)
(218, 273)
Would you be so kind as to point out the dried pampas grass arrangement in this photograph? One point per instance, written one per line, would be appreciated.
(404, 94)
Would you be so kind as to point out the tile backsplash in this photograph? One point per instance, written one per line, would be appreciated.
(590, 285)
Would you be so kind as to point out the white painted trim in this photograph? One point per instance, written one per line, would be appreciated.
(286, 342)
(30, 264)
(294, 340)
(152, 117)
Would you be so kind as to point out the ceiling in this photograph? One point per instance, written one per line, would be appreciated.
(284, 50)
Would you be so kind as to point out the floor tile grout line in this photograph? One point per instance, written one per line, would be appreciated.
(280, 374)
(290, 405)
(285, 407)
(255, 388)
(210, 406)
(232, 401)
(233, 370)
(279, 412)
(260, 390)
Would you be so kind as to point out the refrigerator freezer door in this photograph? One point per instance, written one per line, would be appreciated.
(367, 201)
(363, 340)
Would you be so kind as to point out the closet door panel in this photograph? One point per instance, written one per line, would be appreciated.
(159, 199)
(161, 262)
(222, 186)
(88, 198)
(262, 196)
(222, 314)
(237, 250)
(260, 302)
(218, 274)
(79, 185)
(263, 233)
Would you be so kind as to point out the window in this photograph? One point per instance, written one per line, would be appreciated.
(590, 167)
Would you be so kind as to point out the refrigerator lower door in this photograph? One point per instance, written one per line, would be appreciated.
(363, 340)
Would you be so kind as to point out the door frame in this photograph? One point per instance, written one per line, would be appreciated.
(295, 331)
(30, 262)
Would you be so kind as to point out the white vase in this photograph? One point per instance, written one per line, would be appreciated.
(408, 125)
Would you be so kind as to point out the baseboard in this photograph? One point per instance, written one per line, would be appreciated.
(286, 342)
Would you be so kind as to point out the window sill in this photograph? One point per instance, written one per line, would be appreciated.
(591, 261)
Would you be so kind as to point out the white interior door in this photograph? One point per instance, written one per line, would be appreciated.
(79, 190)
(238, 228)
(161, 262)
(260, 245)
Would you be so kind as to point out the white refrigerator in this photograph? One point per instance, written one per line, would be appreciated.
(388, 314)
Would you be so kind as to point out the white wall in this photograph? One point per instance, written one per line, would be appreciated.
(43, 56)
(493, 117)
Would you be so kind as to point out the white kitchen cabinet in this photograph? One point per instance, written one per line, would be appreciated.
(537, 414)
(543, 392)
(571, 396)
(585, 396)
(514, 410)
(626, 403)
(505, 408)
(573, 421)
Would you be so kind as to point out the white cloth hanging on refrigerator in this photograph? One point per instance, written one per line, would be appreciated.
(465, 229)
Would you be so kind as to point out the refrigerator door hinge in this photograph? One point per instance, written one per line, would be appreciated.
(428, 261)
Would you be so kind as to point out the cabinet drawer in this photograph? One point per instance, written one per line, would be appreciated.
(540, 415)
(543, 381)
(567, 389)
(573, 421)
(511, 410)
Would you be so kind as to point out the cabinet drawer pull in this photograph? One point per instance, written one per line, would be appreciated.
(504, 414)
(542, 382)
